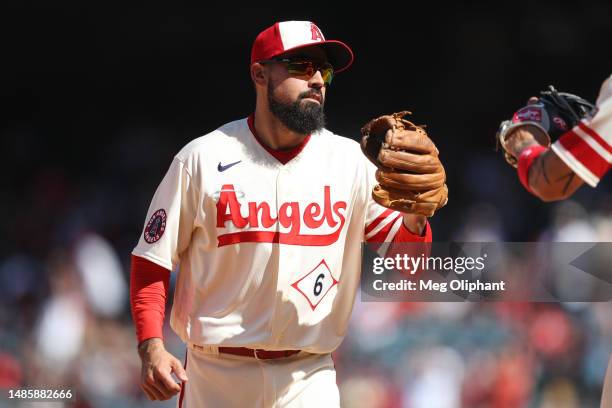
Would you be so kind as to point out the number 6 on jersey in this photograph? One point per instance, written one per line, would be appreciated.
(316, 284)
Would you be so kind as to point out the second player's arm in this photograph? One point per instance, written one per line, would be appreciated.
(550, 178)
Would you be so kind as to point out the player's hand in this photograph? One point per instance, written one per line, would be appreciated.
(157, 366)
(523, 137)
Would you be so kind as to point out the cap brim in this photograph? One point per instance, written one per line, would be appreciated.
(338, 53)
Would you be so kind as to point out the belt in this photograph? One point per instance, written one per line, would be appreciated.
(259, 354)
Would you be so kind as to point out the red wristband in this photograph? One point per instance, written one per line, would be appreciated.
(525, 161)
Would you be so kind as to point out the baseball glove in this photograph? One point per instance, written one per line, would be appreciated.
(553, 112)
(410, 175)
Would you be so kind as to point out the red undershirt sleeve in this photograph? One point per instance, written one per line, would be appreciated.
(404, 235)
(421, 247)
(149, 285)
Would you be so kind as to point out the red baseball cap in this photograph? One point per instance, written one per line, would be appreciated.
(292, 35)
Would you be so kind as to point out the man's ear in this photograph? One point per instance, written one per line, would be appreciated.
(258, 74)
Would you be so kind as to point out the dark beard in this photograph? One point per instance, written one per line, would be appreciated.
(303, 119)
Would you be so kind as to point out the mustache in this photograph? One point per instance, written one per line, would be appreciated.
(312, 93)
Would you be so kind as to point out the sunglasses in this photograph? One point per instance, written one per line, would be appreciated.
(306, 68)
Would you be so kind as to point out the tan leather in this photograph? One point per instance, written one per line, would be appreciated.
(410, 175)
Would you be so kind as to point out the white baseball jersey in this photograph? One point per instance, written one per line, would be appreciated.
(587, 148)
(268, 255)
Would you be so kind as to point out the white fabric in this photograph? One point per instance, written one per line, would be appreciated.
(233, 381)
(283, 295)
(601, 123)
(296, 33)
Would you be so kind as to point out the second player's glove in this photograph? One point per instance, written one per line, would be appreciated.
(410, 175)
(553, 112)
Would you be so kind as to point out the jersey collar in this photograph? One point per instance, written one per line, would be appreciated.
(283, 156)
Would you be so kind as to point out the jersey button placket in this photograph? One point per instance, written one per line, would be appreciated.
(283, 196)
(283, 186)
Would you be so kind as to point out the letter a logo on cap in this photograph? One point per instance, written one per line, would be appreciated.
(316, 33)
(287, 36)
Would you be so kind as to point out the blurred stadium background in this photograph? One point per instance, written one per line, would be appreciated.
(97, 99)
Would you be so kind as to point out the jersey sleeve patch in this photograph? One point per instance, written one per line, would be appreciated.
(155, 227)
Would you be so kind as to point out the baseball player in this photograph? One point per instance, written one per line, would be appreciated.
(264, 219)
(581, 155)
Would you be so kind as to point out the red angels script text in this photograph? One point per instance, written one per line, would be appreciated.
(291, 215)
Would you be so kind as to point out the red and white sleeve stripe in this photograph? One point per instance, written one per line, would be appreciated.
(389, 227)
(384, 227)
(584, 151)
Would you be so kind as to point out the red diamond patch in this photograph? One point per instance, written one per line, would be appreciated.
(316, 284)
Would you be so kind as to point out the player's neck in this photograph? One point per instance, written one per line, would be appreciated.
(273, 133)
